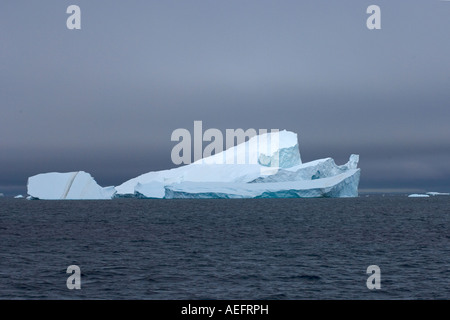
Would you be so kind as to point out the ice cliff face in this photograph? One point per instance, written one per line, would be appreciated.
(341, 185)
(266, 166)
(259, 156)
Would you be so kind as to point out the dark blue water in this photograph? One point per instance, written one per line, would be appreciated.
(226, 249)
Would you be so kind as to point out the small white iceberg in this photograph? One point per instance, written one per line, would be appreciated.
(417, 195)
(19, 196)
(70, 186)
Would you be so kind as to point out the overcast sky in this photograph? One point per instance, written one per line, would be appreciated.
(105, 99)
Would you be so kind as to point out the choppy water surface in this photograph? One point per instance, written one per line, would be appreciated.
(226, 249)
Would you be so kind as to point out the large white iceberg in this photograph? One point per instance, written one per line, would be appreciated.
(433, 193)
(259, 156)
(266, 166)
(67, 186)
(418, 195)
(341, 185)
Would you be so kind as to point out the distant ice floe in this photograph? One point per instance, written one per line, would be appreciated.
(67, 186)
(417, 195)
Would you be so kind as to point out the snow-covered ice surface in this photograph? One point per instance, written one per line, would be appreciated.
(313, 170)
(77, 185)
(266, 166)
(259, 156)
(272, 149)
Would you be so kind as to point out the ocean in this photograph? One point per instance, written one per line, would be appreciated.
(266, 249)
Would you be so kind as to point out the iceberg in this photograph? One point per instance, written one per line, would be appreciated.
(67, 186)
(268, 165)
(19, 196)
(418, 195)
(438, 193)
(341, 185)
(259, 156)
(272, 169)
